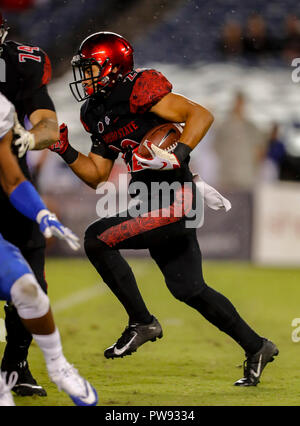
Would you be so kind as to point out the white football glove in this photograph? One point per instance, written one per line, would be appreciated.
(51, 227)
(25, 140)
(213, 199)
(161, 159)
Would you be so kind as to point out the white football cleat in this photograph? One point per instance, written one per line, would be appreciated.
(79, 390)
(6, 398)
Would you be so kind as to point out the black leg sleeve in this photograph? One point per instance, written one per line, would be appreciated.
(181, 264)
(117, 274)
(18, 338)
(219, 311)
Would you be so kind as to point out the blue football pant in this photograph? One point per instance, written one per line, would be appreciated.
(12, 267)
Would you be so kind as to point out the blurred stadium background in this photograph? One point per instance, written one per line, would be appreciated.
(233, 58)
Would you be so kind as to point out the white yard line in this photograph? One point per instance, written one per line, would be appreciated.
(2, 330)
(82, 296)
(79, 297)
(70, 301)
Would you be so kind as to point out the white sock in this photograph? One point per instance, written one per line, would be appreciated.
(50, 345)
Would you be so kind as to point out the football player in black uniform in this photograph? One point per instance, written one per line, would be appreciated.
(121, 105)
(24, 74)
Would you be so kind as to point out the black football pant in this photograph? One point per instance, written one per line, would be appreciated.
(176, 251)
(26, 235)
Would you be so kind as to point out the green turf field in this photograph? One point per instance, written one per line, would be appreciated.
(194, 364)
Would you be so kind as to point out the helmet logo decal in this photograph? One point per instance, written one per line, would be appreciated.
(100, 127)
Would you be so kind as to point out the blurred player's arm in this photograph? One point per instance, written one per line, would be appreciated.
(43, 133)
(92, 169)
(25, 198)
(10, 173)
(177, 108)
(37, 104)
(45, 128)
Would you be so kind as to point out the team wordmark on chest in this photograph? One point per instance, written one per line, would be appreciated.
(121, 132)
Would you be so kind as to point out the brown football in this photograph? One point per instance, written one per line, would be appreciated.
(164, 136)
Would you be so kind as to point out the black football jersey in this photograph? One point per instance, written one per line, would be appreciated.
(25, 71)
(119, 122)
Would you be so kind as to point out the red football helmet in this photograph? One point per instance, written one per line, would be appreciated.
(3, 29)
(113, 57)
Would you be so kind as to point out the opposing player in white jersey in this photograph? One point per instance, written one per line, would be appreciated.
(17, 281)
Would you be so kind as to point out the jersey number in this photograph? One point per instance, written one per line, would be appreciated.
(29, 55)
(131, 76)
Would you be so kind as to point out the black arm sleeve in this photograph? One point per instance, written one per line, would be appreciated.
(39, 99)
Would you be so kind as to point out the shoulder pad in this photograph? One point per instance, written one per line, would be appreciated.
(149, 87)
(31, 61)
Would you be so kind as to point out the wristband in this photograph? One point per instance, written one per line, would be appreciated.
(41, 214)
(182, 151)
(26, 200)
(70, 155)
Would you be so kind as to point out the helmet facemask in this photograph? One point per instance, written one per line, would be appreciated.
(3, 29)
(87, 81)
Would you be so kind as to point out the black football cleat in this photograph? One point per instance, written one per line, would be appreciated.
(26, 385)
(134, 335)
(254, 364)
